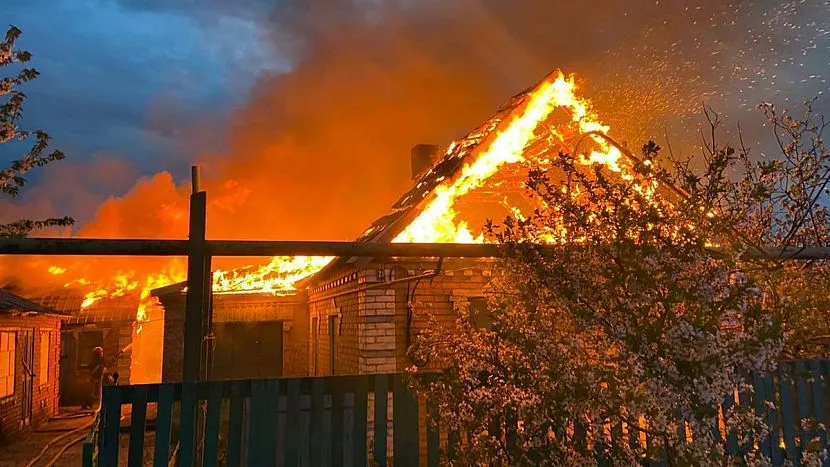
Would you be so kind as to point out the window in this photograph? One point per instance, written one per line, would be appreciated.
(479, 312)
(8, 345)
(43, 374)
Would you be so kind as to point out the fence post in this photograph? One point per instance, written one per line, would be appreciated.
(197, 320)
(195, 301)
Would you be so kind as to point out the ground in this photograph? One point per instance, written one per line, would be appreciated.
(24, 448)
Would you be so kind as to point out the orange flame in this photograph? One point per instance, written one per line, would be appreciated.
(437, 223)
(278, 276)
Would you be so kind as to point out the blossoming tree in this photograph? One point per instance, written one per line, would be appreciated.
(624, 339)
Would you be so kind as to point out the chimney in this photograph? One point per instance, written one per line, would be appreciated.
(423, 157)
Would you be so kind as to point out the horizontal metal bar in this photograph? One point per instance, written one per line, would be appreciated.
(107, 247)
(132, 247)
(92, 247)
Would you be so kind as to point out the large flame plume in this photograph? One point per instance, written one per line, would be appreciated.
(438, 223)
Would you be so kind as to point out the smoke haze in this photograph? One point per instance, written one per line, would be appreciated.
(320, 151)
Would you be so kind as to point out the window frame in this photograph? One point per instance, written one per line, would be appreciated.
(9, 351)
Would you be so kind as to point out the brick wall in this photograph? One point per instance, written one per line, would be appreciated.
(172, 354)
(327, 301)
(440, 297)
(374, 334)
(44, 396)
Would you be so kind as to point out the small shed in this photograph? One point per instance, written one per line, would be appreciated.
(29, 355)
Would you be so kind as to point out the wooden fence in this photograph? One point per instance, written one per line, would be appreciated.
(800, 395)
(326, 421)
(295, 421)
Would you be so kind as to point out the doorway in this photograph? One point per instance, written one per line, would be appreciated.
(76, 350)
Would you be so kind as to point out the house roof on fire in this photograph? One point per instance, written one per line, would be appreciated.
(386, 228)
(407, 208)
(118, 309)
(12, 303)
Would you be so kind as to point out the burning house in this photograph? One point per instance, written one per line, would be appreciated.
(359, 315)
(29, 348)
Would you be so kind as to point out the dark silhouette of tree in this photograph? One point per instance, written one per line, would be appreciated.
(13, 179)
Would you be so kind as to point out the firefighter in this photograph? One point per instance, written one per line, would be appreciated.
(97, 367)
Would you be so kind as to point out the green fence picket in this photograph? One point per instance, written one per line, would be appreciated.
(138, 420)
(187, 428)
(405, 436)
(818, 400)
(293, 436)
(111, 418)
(214, 412)
(164, 419)
(337, 416)
(788, 413)
(359, 428)
(381, 420)
(235, 426)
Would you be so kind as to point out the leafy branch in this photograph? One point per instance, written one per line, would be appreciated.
(13, 179)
